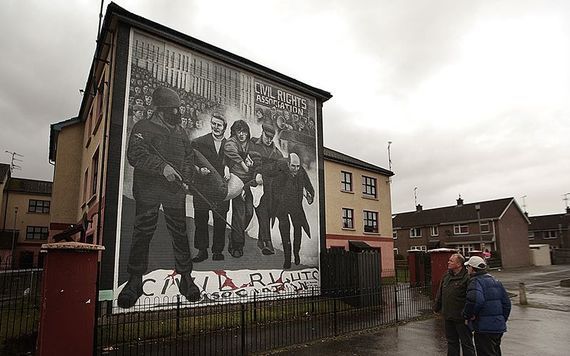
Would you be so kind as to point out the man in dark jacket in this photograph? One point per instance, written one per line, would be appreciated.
(240, 163)
(163, 159)
(290, 184)
(488, 307)
(211, 147)
(264, 149)
(450, 301)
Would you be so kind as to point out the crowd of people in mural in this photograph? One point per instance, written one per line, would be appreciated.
(170, 162)
(195, 109)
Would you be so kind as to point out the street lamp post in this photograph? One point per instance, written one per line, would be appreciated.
(478, 209)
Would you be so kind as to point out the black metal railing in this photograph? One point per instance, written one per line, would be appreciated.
(20, 292)
(258, 323)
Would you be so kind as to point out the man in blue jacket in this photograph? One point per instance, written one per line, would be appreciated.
(487, 306)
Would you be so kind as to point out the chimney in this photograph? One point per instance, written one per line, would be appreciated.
(459, 201)
(419, 207)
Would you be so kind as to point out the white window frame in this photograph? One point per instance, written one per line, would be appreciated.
(394, 234)
(349, 217)
(414, 231)
(376, 223)
(531, 235)
(549, 232)
(343, 182)
(457, 229)
(419, 248)
(484, 223)
(464, 249)
(373, 187)
(434, 230)
(396, 251)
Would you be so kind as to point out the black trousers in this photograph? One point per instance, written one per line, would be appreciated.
(488, 344)
(144, 228)
(242, 212)
(263, 218)
(285, 231)
(202, 233)
(458, 337)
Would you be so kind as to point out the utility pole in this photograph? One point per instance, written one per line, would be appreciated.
(565, 236)
(416, 196)
(389, 156)
(524, 204)
(478, 209)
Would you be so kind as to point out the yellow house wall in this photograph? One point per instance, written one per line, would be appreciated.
(23, 217)
(67, 177)
(92, 143)
(76, 147)
(335, 200)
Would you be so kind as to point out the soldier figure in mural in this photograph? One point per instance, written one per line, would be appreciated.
(292, 182)
(237, 154)
(211, 147)
(269, 154)
(163, 159)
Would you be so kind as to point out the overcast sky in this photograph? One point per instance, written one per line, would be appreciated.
(474, 95)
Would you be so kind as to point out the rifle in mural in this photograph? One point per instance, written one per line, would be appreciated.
(234, 186)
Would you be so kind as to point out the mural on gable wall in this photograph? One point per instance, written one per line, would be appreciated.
(219, 183)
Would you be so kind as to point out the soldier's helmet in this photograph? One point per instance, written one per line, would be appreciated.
(165, 98)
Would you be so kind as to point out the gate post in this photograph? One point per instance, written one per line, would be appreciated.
(438, 260)
(69, 296)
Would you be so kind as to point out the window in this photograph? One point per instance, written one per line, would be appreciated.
(415, 232)
(484, 226)
(465, 249)
(531, 235)
(419, 248)
(434, 231)
(395, 235)
(346, 181)
(550, 234)
(38, 206)
(369, 186)
(347, 218)
(370, 221)
(460, 229)
(396, 251)
(100, 100)
(36, 233)
(95, 172)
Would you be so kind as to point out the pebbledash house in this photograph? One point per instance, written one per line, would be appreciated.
(136, 58)
(499, 226)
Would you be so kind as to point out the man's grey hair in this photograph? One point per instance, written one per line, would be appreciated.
(459, 258)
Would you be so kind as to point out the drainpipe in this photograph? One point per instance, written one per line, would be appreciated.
(104, 145)
(14, 237)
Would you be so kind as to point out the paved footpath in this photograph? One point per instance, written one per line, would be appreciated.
(543, 328)
(532, 331)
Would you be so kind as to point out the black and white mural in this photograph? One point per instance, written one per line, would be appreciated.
(219, 183)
